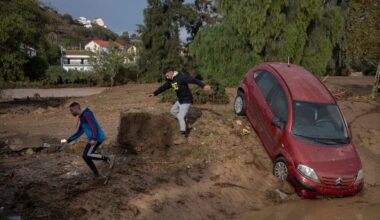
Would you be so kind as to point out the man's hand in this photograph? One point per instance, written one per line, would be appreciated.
(92, 142)
(150, 94)
(207, 88)
(63, 141)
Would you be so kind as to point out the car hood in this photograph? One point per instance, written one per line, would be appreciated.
(328, 160)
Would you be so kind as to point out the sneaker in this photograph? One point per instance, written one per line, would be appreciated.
(111, 161)
(180, 140)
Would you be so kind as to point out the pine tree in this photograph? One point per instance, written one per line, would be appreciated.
(160, 37)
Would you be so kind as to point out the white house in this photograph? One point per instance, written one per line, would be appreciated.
(76, 60)
(85, 22)
(100, 22)
(101, 45)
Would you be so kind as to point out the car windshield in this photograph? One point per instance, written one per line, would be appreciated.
(322, 123)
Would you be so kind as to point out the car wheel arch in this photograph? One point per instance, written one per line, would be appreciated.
(240, 89)
(286, 156)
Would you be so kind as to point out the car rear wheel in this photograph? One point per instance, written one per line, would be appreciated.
(280, 169)
(239, 105)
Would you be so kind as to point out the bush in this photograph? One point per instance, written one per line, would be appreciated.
(127, 74)
(35, 68)
(216, 96)
(57, 75)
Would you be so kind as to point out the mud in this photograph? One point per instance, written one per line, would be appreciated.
(49, 93)
(144, 131)
(223, 172)
(29, 105)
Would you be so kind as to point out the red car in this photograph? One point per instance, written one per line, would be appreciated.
(302, 128)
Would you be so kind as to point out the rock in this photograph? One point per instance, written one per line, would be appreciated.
(134, 209)
(16, 144)
(51, 109)
(29, 152)
(39, 111)
(287, 188)
(245, 131)
(281, 195)
(239, 122)
(36, 96)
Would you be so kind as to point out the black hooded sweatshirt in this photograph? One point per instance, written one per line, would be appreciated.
(180, 84)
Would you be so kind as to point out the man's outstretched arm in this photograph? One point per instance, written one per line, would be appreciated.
(77, 134)
(161, 89)
(199, 83)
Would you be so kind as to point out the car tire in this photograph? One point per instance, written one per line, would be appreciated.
(280, 169)
(239, 104)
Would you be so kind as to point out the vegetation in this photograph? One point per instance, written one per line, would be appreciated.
(225, 39)
(160, 36)
(252, 32)
(56, 75)
(22, 26)
(107, 63)
(216, 96)
(362, 42)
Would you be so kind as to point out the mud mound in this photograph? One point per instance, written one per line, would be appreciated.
(145, 132)
(27, 105)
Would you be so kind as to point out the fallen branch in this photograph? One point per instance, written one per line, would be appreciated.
(225, 185)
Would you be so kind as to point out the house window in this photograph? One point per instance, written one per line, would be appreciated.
(82, 61)
(66, 61)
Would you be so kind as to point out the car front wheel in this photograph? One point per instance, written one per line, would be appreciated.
(280, 169)
(239, 105)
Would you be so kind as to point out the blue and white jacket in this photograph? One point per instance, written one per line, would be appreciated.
(90, 126)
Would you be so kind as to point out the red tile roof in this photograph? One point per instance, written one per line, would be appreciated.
(104, 43)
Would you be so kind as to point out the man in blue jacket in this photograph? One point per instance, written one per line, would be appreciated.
(95, 136)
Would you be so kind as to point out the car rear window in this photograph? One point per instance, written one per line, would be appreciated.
(266, 83)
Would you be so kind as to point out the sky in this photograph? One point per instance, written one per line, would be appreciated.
(118, 15)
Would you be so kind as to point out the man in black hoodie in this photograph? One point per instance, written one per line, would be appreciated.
(180, 84)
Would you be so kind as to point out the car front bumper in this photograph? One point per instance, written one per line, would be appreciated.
(309, 189)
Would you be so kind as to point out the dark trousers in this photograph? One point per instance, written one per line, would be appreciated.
(89, 155)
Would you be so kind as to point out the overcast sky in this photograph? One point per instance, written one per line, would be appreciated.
(119, 15)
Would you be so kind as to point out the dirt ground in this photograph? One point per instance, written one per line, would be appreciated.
(223, 172)
(61, 92)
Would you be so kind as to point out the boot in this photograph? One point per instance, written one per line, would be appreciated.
(181, 139)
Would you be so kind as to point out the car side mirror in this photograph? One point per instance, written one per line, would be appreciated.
(276, 121)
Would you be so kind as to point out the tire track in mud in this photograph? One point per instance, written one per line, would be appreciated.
(375, 109)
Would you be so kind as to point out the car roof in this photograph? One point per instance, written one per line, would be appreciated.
(302, 84)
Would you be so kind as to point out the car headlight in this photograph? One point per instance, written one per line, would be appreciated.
(360, 176)
(307, 172)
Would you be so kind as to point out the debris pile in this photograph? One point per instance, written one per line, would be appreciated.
(144, 131)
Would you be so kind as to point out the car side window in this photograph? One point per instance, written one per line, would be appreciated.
(257, 75)
(279, 104)
(266, 83)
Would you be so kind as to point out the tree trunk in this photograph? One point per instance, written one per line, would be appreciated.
(112, 81)
(377, 78)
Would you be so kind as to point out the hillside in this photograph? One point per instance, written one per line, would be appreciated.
(66, 31)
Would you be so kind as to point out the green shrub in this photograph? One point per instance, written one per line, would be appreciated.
(57, 75)
(216, 96)
(127, 73)
(35, 68)
(53, 75)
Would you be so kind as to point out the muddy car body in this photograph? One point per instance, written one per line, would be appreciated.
(302, 129)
